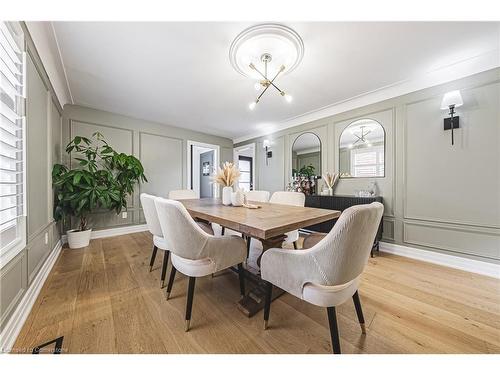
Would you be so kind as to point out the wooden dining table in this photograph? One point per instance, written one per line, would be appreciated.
(269, 223)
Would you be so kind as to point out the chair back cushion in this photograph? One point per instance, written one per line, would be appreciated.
(182, 194)
(184, 237)
(343, 253)
(257, 195)
(288, 197)
(149, 209)
(337, 259)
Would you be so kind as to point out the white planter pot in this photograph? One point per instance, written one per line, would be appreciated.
(237, 198)
(226, 195)
(78, 239)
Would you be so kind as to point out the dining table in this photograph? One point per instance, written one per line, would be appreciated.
(268, 224)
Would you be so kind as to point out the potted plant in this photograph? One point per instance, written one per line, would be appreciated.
(102, 181)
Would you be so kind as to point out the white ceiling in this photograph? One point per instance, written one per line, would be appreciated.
(179, 73)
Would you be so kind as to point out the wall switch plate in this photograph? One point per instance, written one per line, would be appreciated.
(46, 238)
(124, 215)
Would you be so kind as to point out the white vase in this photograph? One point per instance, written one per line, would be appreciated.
(226, 195)
(237, 198)
(330, 191)
(78, 239)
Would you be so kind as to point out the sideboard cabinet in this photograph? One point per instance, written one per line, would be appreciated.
(340, 203)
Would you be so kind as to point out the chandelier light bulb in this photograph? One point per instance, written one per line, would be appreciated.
(288, 98)
(252, 105)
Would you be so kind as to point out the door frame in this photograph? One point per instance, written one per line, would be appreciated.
(189, 163)
(236, 154)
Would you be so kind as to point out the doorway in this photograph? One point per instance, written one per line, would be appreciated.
(245, 157)
(202, 160)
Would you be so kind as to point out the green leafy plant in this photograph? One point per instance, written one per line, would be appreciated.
(103, 180)
(306, 171)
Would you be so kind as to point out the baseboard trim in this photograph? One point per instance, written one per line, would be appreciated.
(14, 325)
(111, 232)
(452, 261)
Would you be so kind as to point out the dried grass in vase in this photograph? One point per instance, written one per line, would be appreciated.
(227, 175)
(331, 179)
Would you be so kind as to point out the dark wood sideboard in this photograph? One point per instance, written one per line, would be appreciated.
(339, 202)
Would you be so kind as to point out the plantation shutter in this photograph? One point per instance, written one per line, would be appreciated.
(12, 134)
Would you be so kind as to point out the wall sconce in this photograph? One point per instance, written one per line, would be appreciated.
(269, 154)
(451, 100)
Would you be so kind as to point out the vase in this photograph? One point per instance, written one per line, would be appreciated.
(330, 191)
(78, 239)
(226, 195)
(237, 198)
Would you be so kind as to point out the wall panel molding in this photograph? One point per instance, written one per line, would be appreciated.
(13, 326)
(442, 114)
(454, 238)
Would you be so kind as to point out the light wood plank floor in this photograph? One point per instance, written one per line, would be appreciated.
(103, 299)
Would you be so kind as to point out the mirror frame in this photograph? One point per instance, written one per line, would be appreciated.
(320, 152)
(385, 134)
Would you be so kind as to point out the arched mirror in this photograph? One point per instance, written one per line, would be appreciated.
(306, 155)
(362, 150)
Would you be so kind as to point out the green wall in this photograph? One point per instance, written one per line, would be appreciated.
(161, 148)
(437, 196)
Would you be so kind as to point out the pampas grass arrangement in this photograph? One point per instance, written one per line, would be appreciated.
(331, 180)
(227, 175)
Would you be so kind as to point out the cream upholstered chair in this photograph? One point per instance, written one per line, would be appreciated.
(194, 252)
(293, 199)
(327, 274)
(159, 242)
(182, 194)
(257, 195)
(190, 194)
(149, 209)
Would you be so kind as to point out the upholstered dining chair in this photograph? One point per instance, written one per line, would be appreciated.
(328, 273)
(257, 195)
(159, 242)
(293, 199)
(190, 194)
(149, 209)
(194, 252)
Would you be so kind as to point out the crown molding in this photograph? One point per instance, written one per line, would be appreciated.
(448, 73)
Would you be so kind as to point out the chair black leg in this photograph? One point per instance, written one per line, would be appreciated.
(359, 311)
(153, 256)
(267, 303)
(295, 245)
(223, 230)
(170, 281)
(241, 274)
(189, 304)
(249, 242)
(334, 330)
(166, 253)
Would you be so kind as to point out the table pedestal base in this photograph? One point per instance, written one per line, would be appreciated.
(253, 302)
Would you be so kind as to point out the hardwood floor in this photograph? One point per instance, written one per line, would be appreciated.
(103, 299)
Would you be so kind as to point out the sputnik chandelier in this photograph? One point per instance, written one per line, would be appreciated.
(265, 83)
(264, 52)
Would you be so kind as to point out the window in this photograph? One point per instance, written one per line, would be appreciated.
(12, 140)
(367, 162)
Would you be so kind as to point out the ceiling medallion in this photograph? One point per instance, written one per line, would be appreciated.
(264, 52)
